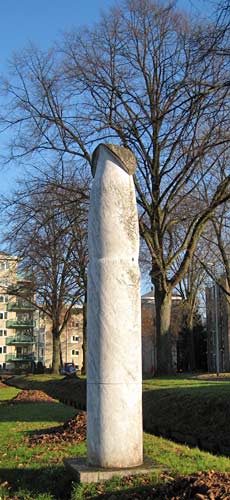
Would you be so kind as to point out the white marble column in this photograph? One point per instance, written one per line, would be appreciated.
(114, 375)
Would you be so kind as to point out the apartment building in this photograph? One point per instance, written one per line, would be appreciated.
(218, 328)
(16, 320)
(71, 339)
(26, 332)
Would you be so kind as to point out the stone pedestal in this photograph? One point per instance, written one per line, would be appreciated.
(114, 374)
(85, 473)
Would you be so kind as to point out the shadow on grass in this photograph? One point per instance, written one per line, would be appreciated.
(58, 482)
(194, 415)
(185, 410)
(135, 493)
(68, 390)
(55, 481)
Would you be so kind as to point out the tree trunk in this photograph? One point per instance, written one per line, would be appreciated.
(84, 345)
(56, 350)
(191, 342)
(60, 353)
(163, 302)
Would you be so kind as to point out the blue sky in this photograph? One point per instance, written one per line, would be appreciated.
(42, 22)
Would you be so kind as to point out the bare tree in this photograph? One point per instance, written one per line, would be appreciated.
(137, 78)
(189, 289)
(143, 85)
(47, 230)
(215, 239)
(215, 37)
(217, 266)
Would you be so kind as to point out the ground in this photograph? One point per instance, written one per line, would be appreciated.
(201, 485)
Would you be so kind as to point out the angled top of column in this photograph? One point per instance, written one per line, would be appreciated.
(124, 156)
(113, 218)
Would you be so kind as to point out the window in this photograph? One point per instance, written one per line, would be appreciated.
(3, 314)
(3, 298)
(75, 353)
(5, 282)
(4, 349)
(75, 338)
(3, 333)
(74, 324)
(4, 265)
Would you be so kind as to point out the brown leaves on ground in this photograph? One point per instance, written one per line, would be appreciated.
(33, 396)
(72, 431)
(201, 486)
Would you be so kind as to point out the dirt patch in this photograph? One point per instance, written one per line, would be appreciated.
(72, 431)
(2, 386)
(32, 397)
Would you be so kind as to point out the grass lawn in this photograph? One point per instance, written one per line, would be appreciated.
(57, 386)
(38, 474)
(29, 473)
(187, 409)
(8, 393)
(193, 411)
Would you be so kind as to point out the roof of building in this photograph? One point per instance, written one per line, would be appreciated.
(8, 256)
(151, 296)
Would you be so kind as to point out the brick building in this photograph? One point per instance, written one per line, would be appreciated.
(148, 327)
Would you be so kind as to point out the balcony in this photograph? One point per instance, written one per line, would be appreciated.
(20, 323)
(19, 357)
(20, 306)
(20, 340)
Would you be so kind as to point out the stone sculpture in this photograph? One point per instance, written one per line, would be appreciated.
(114, 389)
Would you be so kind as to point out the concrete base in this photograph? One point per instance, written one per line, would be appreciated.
(85, 473)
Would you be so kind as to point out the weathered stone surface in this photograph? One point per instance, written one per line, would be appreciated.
(114, 394)
(124, 156)
(85, 473)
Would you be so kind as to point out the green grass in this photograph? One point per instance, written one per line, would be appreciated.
(182, 404)
(57, 386)
(167, 455)
(33, 473)
(193, 411)
(8, 393)
(190, 410)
